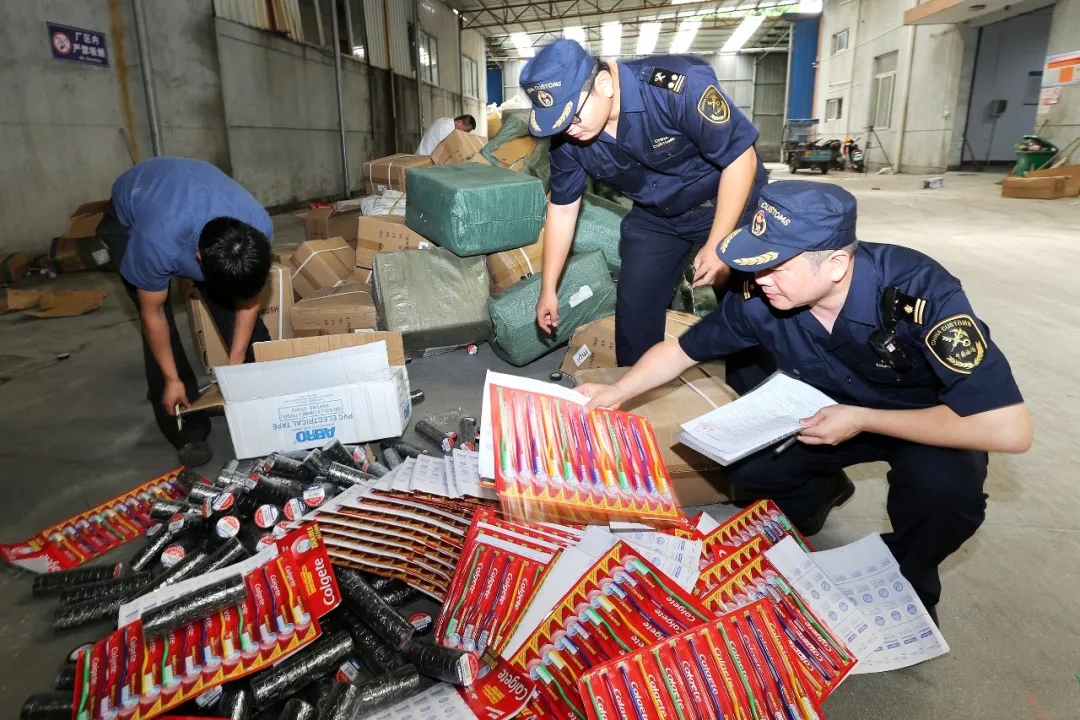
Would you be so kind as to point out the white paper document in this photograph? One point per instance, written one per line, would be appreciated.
(870, 577)
(678, 558)
(825, 598)
(765, 415)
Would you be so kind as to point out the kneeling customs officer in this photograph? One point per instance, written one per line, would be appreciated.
(888, 334)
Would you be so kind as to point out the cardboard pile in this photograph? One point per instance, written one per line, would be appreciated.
(323, 223)
(1034, 188)
(319, 264)
(13, 267)
(388, 173)
(593, 346)
(458, 147)
(348, 308)
(1070, 173)
(384, 233)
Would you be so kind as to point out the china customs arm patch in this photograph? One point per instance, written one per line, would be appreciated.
(957, 343)
(713, 106)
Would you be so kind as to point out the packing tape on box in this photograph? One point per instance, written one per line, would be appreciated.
(316, 252)
(280, 301)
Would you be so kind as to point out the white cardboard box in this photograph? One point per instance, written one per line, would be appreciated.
(351, 393)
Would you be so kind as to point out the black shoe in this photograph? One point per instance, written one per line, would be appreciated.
(931, 610)
(195, 454)
(837, 491)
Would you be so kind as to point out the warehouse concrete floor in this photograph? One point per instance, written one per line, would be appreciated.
(78, 432)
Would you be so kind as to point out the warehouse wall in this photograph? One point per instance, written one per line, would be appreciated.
(934, 55)
(61, 122)
(756, 82)
(1063, 119)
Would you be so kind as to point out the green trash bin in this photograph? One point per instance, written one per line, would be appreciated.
(1028, 160)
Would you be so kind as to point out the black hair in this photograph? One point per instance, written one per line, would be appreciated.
(468, 120)
(235, 258)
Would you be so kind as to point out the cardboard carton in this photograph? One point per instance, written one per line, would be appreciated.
(512, 154)
(697, 480)
(593, 345)
(303, 392)
(1071, 173)
(319, 264)
(388, 173)
(344, 309)
(384, 233)
(283, 253)
(277, 301)
(323, 223)
(1037, 188)
(457, 147)
(511, 266)
(85, 219)
(205, 337)
(13, 267)
(494, 123)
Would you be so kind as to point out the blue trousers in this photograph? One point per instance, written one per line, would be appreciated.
(654, 251)
(935, 501)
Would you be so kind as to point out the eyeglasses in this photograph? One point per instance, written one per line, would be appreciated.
(577, 115)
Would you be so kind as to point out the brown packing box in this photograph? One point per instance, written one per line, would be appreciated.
(323, 223)
(277, 301)
(456, 148)
(697, 480)
(302, 347)
(512, 266)
(388, 173)
(512, 153)
(282, 254)
(384, 233)
(1040, 188)
(334, 311)
(85, 219)
(593, 345)
(13, 267)
(205, 336)
(494, 123)
(1071, 173)
(70, 254)
(319, 264)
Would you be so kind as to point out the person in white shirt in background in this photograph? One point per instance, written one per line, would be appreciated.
(441, 128)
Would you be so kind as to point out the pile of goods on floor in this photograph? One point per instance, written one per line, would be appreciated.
(532, 563)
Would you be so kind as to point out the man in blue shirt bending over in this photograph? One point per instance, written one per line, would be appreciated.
(176, 217)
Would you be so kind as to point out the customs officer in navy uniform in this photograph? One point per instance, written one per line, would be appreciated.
(887, 333)
(662, 131)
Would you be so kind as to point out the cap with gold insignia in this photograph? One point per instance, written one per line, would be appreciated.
(553, 80)
(792, 217)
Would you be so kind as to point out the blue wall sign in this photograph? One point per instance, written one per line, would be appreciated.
(78, 45)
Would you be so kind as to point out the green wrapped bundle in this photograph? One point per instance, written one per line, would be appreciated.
(475, 209)
(435, 299)
(598, 229)
(586, 293)
(698, 301)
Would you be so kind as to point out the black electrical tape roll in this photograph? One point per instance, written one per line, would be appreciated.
(399, 596)
(294, 672)
(53, 583)
(403, 448)
(435, 435)
(336, 452)
(127, 583)
(65, 679)
(171, 615)
(202, 492)
(377, 469)
(448, 665)
(391, 457)
(347, 476)
(162, 510)
(365, 603)
(245, 506)
(240, 481)
(342, 704)
(372, 650)
(278, 490)
(229, 552)
(285, 466)
(467, 430)
(48, 706)
(251, 537)
(317, 463)
(386, 690)
(84, 613)
(194, 563)
(380, 583)
(186, 479)
(317, 692)
(151, 551)
(237, 703)
(297, 709)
